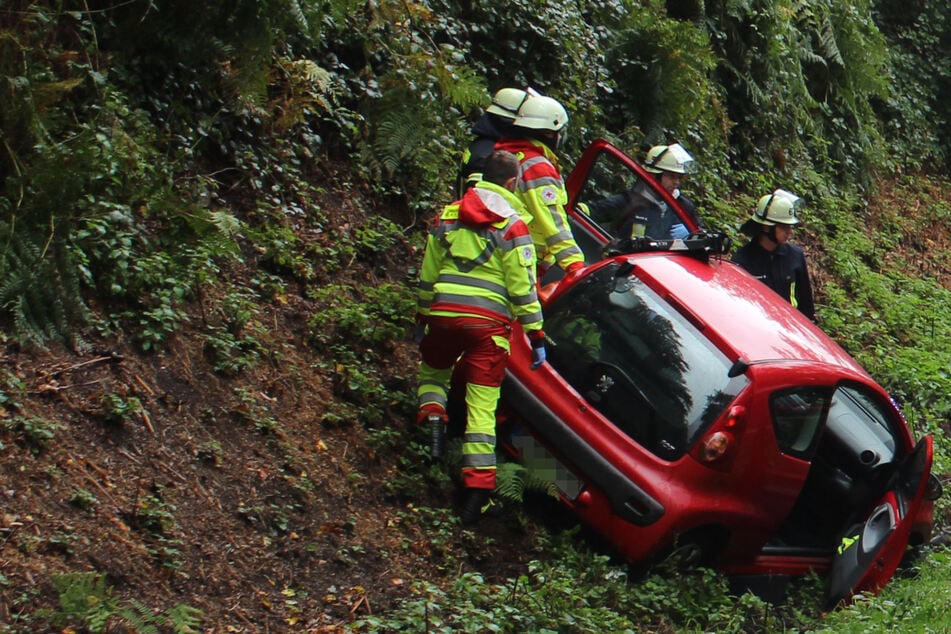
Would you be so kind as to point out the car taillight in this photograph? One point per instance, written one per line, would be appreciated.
(717, 444)
(714, 446)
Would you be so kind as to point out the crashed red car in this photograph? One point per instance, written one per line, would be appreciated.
(685, 407)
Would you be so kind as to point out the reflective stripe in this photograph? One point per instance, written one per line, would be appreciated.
(534, 318)
(561, 236)
(432, 393)
(542, 181)
(472, 281)
(486, 438)
(567, 253)
(487, 305)
(524, 299)
(479, 460)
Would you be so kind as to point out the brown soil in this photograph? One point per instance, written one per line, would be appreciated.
(238, 495)
(248, 497)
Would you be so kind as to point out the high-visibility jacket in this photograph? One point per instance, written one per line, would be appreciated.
(480, 261)
(542, 190)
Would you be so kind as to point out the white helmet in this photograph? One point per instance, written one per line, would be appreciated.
(507, 101)
(670, 158)
(778, 208)
(542, 113)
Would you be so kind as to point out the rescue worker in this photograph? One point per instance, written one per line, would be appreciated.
(769, 255)
(535, 135)
(491, 126)
(645, 213)
(478, 275)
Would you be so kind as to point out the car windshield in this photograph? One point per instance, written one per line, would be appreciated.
(636, 360)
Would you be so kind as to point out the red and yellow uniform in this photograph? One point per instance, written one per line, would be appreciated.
(542, 191)
(478, 275)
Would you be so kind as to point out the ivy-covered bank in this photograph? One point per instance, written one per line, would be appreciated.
(202, 179)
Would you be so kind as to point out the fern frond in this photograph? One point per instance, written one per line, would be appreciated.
(828, 44)
(398, 138)
(510, 482)
(461, 85)
(184, 619)
(140, 617)
(298, 14)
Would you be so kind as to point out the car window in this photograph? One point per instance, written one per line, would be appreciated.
(636, 360)
(797, 414)
(862, 427)
(609, 192)
(857, 428)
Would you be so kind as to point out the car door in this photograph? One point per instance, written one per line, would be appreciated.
(871, 550)
(601, 174)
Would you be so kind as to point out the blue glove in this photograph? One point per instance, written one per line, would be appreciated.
(420, 332)
(679, 231)
(538, 353)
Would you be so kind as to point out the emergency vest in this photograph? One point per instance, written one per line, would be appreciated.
(543, 193)
(480, 261)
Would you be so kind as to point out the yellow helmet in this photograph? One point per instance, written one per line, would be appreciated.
(778, 208)
(670, 158)
(507, 101)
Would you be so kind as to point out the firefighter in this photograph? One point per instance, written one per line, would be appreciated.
(491, 126)
(769, 255)
(478, 275)
(645, 213)
(534, 137)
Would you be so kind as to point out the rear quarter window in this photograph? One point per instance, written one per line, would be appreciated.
(797, 416)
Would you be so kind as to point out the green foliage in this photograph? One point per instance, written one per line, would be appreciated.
(83, 499)
(36, 433)
(371, 316)
(253, 408)
(118, 409)
(916, 113)
(661, 70)
(233, 344)
(576, 590)
(128, 133)
(513, 481)
(86, 600)
(915, 602)
(797, 78)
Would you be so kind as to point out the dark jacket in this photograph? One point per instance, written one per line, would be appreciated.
(486, 131)
(783, 270)
(643, 206)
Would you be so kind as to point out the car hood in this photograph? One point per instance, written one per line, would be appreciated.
(743, 316)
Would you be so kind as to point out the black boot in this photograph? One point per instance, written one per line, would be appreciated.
(437, 436)
(475, 504)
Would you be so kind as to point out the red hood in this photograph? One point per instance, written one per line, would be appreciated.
(481, 207)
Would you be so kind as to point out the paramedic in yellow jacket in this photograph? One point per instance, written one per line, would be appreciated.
(478, 275)
(534, 136)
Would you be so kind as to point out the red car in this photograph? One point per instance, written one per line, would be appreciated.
(685, 407)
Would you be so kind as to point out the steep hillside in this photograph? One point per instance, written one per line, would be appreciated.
(254, 496)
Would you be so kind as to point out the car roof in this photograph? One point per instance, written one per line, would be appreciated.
(738, 312)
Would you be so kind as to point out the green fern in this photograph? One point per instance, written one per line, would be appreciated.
(298, 14)
(39, 290)
(85, 597)
(513, 481)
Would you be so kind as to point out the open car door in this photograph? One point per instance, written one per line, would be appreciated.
(602, 174)
(872, 549)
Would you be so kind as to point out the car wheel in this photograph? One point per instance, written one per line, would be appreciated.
(699, 548)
